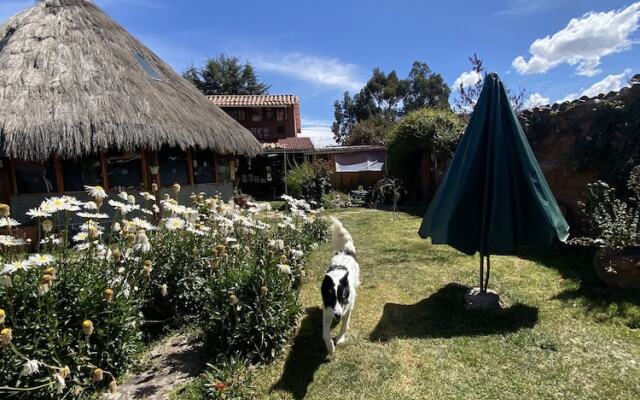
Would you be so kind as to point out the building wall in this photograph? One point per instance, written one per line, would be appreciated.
(290, 125)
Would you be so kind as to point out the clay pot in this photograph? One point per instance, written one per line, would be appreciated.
(618, 269)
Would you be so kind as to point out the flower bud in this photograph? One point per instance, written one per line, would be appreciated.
(264, 290)
(108, 294)
(47, 226)
(97, 375)
(2, 316)
(87, 327)
(233, 300)
(5, 210)
(5, 337)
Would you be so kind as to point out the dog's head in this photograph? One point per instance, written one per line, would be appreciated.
(335, 292)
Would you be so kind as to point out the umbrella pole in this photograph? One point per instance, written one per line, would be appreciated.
(481, 272)
(486, 282)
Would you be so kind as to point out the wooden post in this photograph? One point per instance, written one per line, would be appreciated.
(59, 176)
(103, 166)
(190, 167)
(145, 169)
(14, 180)
(286, 187)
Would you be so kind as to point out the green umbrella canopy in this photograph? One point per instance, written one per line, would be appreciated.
(494, 198)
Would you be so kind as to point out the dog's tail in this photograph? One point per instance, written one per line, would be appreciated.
(341, 238)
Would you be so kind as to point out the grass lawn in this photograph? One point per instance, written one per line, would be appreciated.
(561, 337)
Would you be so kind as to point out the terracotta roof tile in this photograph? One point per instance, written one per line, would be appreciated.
(301, 143)
(238, 100)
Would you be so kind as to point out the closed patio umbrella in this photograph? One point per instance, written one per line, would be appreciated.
(494, 198)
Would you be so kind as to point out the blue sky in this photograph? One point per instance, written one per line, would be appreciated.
(556, 49)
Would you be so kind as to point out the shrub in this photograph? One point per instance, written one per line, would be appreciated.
(296, 176)
(419, 133)
(229, 380)
(335, 199)
(310, 181)
(73, 315)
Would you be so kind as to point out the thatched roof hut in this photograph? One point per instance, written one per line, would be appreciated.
(74, 82)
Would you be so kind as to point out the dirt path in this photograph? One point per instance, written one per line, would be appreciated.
(176, 361)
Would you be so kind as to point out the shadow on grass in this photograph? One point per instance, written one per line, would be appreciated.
(576, 265)
(444, 315)
(307, 354)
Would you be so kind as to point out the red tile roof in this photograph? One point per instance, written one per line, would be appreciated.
(239, 100)
(291, 143)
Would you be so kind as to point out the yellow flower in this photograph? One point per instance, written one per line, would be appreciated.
(64, 372)
(108, 294)
(97, 376)
(5, 210)
(87, 327)
(2, 316)
(51, 271)
(47, 226)
(5, 337)
(233, 300)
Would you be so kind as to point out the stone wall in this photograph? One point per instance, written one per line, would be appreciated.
(575, 142)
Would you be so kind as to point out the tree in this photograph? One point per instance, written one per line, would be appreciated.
(421, 133)
(371, 131)
(467, 96)
(226, 75)
(426, 89)
(386, 98)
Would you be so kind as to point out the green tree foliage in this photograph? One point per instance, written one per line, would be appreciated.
(426, 131)
(466, 97)
(387, 97)
(371, 131)
(226, 75)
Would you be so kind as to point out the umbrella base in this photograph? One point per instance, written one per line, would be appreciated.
(476, 300)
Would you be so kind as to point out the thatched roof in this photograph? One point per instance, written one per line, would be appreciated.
(73, 81)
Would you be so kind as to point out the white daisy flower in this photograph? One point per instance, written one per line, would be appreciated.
(10, 241)
(8, 222)
(124, 196)
(97, 192)
(92, 215)
(148, 196)
(41, 260)
(30, 367)
(284, 268)
(90, 205)
(174, 223)
(81, 237)
(38, 213)
(12, 267)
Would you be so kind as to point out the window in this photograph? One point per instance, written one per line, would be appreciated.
(238, 115)
(34, 177)
(124, 171)
(174, 168)
(224, 169)
(78, 173)
(256, 115)
(153, 74)
(261, 132)
(280, 129)
(203, 170)
(280, 115)
(269, 114)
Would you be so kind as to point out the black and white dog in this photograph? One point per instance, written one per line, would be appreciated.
(339, 285)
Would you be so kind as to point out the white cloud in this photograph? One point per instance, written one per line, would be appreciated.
(583, 42)
(319, 131)
(536, 100)
(467, 79)
(320, 71)
(612, 83)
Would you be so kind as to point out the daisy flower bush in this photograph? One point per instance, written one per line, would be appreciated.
(104, 275)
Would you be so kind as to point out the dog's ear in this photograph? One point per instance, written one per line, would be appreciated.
(345, 279)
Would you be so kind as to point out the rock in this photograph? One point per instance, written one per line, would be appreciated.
(618, 269)
(476, 300)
